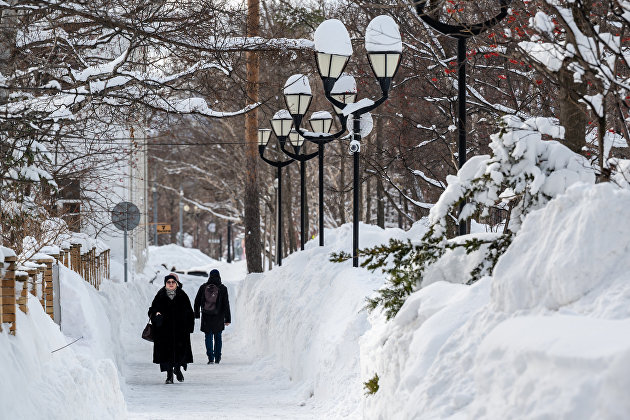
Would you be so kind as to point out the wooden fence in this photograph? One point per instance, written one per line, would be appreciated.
(36, 277)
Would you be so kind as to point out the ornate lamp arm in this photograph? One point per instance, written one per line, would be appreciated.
(296, 156)
(276, 163)
(368, 108)
(323, 138)
(461, 31)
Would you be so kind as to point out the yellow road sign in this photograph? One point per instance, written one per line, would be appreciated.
(163, 228)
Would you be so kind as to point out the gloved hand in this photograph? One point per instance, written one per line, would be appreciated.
(158, 320)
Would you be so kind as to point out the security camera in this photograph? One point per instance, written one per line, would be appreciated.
(355, 147)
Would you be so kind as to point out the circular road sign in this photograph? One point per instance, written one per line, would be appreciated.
(126, 216)
(212, 227)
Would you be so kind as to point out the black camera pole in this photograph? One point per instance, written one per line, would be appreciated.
(461, 33)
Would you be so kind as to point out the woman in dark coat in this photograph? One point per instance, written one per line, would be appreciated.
(173, 322)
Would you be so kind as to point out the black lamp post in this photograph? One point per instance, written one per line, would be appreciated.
(461, 33)
(321, 122)
(229, 241)
(281, 124)
(333, 49)
(297, 141)
(297, 95)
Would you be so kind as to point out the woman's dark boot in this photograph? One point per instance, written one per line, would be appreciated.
(169, 376)
(178, 374)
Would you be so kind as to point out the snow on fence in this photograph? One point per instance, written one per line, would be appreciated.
(35, 276)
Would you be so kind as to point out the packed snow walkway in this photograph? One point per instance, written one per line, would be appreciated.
(234, 389)
(244, 386)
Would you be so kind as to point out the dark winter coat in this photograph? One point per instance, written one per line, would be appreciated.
(172, 329)
(213, 323)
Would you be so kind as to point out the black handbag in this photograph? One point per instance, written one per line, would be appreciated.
(147, 333)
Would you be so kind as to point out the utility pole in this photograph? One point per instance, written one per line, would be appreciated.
(252, 211)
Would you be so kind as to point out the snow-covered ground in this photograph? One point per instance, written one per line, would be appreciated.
(291, 352)
(544, 337)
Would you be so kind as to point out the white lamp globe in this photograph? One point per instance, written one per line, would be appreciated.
(281, 123)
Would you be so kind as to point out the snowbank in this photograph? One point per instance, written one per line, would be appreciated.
(86, 379)
(554, 367)
(176, 256)
(545, 337)
(41, 383)
(307, 316)
(566, 250)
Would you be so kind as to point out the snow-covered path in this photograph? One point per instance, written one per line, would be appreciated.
(234, 389)
(244, 386)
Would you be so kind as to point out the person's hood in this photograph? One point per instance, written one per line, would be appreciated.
(215, 277)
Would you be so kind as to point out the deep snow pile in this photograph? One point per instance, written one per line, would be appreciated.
(306, 315)
(545, 337)
(83, 380)
(78, 381)
(174, 256)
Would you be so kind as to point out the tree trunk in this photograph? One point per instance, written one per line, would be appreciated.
(572, 115)
(252, 209)
(400, 210)
(601, 132)
(368, 201)
(8, 34)
(380, 196)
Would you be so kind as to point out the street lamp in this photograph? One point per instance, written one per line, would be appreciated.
(297, 141)
(321, 122)
(281, 124)
(333, 50)
(212, 229)
(344, 91)
(461, 33)
(297, 95)
(384, 48)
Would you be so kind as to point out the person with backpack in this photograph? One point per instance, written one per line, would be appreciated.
(214, 306)
(173, 322)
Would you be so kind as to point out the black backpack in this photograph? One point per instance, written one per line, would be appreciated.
(211, 301)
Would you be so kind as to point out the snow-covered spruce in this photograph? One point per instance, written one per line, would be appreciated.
(523, 168)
